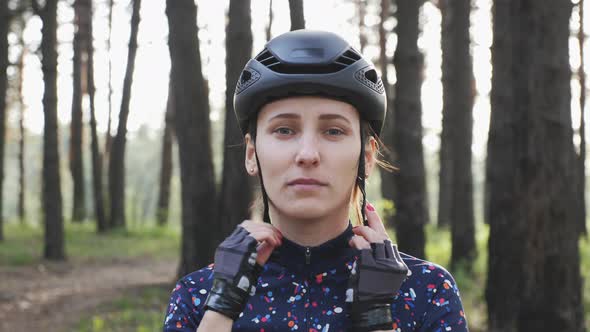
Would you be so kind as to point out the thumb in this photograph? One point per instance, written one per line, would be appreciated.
(264, 251)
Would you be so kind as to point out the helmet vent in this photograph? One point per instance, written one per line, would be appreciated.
(271, 62)
(266, 58)
(368, 77)
(348, 58)
(247, 78)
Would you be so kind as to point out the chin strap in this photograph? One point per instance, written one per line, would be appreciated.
(265, 216)
(360, 179)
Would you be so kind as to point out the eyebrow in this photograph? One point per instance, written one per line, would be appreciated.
(328, 116)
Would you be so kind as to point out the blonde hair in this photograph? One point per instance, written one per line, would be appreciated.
(356, 196)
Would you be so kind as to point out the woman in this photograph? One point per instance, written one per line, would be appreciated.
(311, 109)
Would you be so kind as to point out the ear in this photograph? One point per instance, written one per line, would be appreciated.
(250, 160)
(370, 156)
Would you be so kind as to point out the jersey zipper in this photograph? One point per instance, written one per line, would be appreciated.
(307, 278)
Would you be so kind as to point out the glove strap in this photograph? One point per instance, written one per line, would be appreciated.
(370, 317)
(229, 299)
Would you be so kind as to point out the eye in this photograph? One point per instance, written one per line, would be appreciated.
(283, 131)
(335, 132)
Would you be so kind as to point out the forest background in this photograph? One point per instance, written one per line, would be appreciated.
(70, 271)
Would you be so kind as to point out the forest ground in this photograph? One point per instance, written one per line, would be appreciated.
(100, 276)
(53, 297)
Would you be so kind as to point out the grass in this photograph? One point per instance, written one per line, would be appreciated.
(139, 310)
(23, 244)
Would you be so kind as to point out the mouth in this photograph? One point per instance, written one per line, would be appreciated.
(306, 182)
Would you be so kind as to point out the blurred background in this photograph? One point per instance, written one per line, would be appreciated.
(121, 164)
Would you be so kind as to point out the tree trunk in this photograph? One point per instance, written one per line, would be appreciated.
(4, 28)
(236, 191)
(97, 185)
(362, 13)
(581, 196)
(297, 14)
(108, 137)
(21, 128)
(445, 175)
(269, 26)
(387, 177)
(117, 157)
(410, 194)
(81, 39)
(193, 137)
(54, 248)
(166, 167)
(458, 95)
(533, 247)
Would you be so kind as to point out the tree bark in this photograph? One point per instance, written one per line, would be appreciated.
(166, 166)
(54, 248)
(4, 28)
(410, 194)
(458, 96)
(82, 17)
(297, 14)
(236, 190)
(117, 157)
(193, 137)
(533, 247)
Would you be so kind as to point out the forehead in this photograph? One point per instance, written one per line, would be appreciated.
(308, 107)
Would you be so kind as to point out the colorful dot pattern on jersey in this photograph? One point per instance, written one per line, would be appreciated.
(292, 295)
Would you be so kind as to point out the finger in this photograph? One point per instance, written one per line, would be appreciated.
(358, 242)
(369, 234)
(374, 220)
(266, 235)
(252, 226)
(264, 252)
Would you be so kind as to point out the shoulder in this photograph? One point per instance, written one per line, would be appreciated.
(423, 270)
(185, 308)
(430, 291)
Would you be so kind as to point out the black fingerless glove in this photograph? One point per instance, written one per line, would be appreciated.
(235, 274)
(375, 278)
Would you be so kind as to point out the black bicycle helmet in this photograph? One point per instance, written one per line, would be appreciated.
(308, 62)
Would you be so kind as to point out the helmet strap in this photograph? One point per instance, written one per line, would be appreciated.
(266, 215)
(360, 179)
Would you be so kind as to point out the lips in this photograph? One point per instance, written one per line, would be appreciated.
(306, 182)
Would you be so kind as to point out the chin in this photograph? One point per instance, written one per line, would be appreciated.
(305, 209)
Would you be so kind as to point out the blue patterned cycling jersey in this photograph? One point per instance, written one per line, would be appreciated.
(303, 289)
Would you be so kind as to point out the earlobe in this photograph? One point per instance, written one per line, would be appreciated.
(250, 159)
(370, 159)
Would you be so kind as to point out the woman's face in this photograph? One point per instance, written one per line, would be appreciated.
(308, 149)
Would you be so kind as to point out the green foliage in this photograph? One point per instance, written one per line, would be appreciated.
(139, 310)
(23, 244)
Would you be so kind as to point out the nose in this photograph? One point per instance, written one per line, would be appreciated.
(308, 153)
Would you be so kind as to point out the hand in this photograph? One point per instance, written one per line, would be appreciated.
(375, 276)
(238, 264)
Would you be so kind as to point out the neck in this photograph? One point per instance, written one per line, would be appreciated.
(310, 232)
